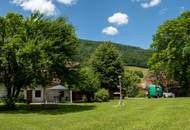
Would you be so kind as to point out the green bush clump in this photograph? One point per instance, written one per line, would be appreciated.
(139, 73)
(141, 94)
(102, 95)
(84, 98)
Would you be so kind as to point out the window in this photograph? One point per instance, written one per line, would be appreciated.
(38, 93)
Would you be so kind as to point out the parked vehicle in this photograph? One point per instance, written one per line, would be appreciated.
(168, 95)
(154, 91)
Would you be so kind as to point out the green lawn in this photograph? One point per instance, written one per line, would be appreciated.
(137, 114)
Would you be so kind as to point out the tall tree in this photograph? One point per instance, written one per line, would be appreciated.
(12, 68)
(32, 49)
(171, 45)
(62, 50)
(106, 61)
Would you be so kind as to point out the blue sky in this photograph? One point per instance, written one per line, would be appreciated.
(131, 22)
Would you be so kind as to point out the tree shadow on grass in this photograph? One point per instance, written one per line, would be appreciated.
(47, 109)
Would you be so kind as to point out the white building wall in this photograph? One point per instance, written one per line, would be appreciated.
(38, 99)
(66, 95)
(50, 95)
(35, 99)
(53, 96)
(3, 91)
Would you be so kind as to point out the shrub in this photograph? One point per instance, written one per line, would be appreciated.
(20, 98)
(84, 98)
(130, 82)
(139, 73)
(9, 102)
(102, 95)
(141, 94)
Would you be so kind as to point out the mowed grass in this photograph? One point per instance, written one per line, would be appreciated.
(137, 114)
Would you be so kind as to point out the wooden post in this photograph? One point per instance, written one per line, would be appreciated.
(71, 96)
(120, 88)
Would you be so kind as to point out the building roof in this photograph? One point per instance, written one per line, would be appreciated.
(58, 87)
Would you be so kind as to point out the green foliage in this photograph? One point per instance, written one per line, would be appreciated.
(130, 82)
(102, 95)
(9, 102)
(141, 94)
(84, 98)
(139, 74)
(171, 50)
(107, 63)
(13, 67)
(89, 82)
(32, 49)
(20, 98)
(132, 56)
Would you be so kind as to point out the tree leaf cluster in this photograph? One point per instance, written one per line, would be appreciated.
(34, 50)
(171, 45)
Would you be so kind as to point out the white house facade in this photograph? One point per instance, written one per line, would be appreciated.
(3, 91)
(51, 94)
(54, 94)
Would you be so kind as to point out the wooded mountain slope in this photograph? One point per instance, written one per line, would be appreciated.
(132, 56)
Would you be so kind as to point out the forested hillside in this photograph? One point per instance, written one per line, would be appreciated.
(132, 56)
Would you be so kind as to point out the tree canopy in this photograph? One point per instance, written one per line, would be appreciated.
(33, 50)
(107, 62)
(89, 82)
(171, 45)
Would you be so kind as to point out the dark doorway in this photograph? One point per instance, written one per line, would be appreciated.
(77, 95)
(29, 95)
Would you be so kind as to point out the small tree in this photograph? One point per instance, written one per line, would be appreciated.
(89, 82)
(130, 82)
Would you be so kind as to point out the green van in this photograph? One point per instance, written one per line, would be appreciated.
(154, 91)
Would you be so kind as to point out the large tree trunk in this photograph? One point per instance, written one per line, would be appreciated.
(10, 103)
(11, 97)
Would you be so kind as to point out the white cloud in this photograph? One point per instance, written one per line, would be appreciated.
(118, 18)
(110, 31)
(43, 6)
(67, 2)
(150, 3)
